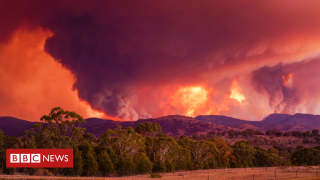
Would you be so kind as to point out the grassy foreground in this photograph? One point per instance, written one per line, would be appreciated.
(295, 172)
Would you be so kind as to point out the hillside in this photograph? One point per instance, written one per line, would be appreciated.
(176, 125)
(243, 127)
(96, 121)
(309, 119)
(288, 127)
(173, 125)
(275, 118)
(225, 120)
(11, 126)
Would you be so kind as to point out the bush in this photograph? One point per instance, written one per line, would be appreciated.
(258, 133)
(41, 172)
(8, 170)
(156, 175)
(278, 134)
(30, 171)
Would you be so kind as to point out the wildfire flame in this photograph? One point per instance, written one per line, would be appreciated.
(236, 92)
(191, 98)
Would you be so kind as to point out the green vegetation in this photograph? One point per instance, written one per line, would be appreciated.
(306, 156)
(156, 175)
(146, 150)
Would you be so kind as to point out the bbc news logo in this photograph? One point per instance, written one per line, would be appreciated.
(55, 158)
(25, 158)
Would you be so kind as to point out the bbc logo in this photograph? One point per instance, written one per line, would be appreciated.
(25, 158)
(44, 158)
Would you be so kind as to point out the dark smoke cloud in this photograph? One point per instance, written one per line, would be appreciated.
(270, 80)
(115, 48)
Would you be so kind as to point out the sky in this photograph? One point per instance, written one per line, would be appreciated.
(129, 60)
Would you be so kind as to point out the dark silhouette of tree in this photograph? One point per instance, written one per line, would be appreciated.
(144, 165)
(244, 152)
(306, 156)
(77, 161)
(90, 165)
(315, 132)
(105, 164)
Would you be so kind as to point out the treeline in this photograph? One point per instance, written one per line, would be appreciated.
(251, 133)
(146, 149)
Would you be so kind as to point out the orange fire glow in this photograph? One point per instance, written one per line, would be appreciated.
(236, 97)
(195, 100)
(236, 92)
(190, 98)
(32, 82)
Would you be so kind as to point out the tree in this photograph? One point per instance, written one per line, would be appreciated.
(170, 166)
(90, 165)
(288, 133)
(233, 133)
(113, 156)
(225, 152)
(77, 161)
(247, 133)
(279, 133)
(315, 132)
(261, 156)
(2, 150)
(144, 165)
(244, 152)
(43, 139)
(148, 129)
(211, 134)
(105, 164)
(6, 170)
(306, 156)
(269, 132)
(273, 158)
(258, 133)
(307, 134)
(62, 126)
(8, 143)
(202, 151)
(125, 165)
(286, 157)
(268, 157)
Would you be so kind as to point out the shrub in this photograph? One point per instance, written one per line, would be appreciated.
(41, 172)
(156, 175)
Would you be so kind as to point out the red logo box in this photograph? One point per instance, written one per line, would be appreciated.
(47, 158)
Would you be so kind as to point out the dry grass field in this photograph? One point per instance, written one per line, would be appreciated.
(309, 173)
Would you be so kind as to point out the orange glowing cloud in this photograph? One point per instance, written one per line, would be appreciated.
(236, 92)
(190, 98)
(32, 82)
(235, 98)
(287, 80)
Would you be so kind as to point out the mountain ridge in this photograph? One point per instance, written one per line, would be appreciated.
(176, 125)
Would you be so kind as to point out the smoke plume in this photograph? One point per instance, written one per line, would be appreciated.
(132, 59)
